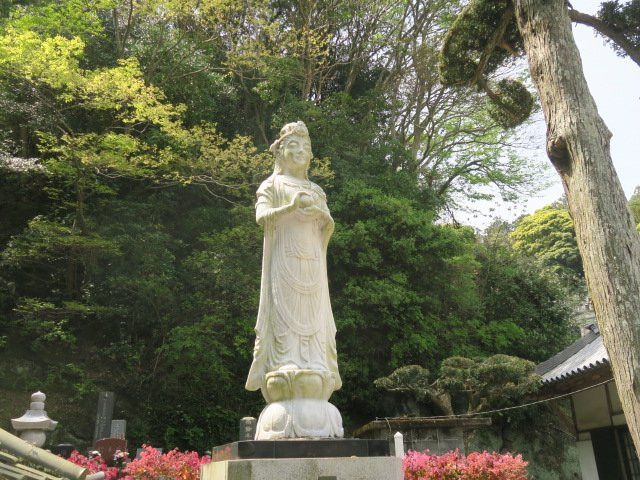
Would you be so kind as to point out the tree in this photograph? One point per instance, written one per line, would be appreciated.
(527, 310)
(578, 147)
(127, 222)
(454, 145)
(619, 24)
(380, 50)
(402, 282)
(476, 385)
(634, 205)
(466, 385)
(549, 236)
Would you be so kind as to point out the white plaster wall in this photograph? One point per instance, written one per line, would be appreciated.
(592, 409)
(587, 460)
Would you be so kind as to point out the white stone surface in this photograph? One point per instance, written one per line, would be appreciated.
(33, 425)
(295, 329)
(398, 443)
(298, 406)
(587, 460)
(351, 468)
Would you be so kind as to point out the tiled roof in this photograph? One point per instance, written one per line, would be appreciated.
(22, 461)
(11, 467)
(586, 353)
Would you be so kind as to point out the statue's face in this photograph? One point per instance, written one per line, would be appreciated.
(296, 151)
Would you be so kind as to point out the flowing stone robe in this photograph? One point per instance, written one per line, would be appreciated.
(295, 328)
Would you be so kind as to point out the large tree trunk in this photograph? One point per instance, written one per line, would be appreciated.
(578, 146)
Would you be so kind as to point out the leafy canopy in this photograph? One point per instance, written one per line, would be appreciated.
(481, 39)
(549, 236)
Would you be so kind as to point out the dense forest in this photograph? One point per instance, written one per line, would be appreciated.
(132, 138)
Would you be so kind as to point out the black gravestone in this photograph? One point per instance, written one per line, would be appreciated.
(106, 401)
(247, 428)
(62, 449)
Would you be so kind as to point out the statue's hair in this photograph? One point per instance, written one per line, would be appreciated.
(293, 128)
(289, 129)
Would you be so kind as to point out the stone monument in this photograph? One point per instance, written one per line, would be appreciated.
(104, 415)
(295, 363)
(35, 423)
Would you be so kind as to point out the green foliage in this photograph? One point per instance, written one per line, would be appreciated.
(132, 138)
(623, 18)
(487, 383)
(398, 280)
(527, 310)
(463, 385)
(481, 39)
(355, 153)
(405, 391)
(44, 324)
(498, 382)
(44, 240)
(193, 356)
(54, 63)
(549, 236)
(385, 253)
(66, 18)
(464, 54)
(634, 205)
(410, 379)
(510, 103)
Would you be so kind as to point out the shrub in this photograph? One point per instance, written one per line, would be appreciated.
(453, 466)
(94, 465)
(175, 465)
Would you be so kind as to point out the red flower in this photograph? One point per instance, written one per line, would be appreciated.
(453, 466)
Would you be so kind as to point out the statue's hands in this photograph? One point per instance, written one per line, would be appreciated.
(302, 200)
(323, 215)
(313, 210)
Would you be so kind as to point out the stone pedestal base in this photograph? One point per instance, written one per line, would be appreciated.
(300, 448)
(298, 407)
(353, 468)
(299, 418)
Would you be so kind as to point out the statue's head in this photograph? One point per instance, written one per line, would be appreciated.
(293, 145)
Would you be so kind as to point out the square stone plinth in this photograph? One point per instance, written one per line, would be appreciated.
(350, 468)
(301, 448)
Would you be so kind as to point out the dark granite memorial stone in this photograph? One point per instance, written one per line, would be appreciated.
(104, 415)
(247, 428)
(63, 449)
(300, 448)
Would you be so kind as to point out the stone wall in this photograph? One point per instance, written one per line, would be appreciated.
(438, 435)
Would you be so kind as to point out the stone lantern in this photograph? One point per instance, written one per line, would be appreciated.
(33, 425)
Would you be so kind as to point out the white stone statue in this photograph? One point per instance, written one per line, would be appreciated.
(294, 360)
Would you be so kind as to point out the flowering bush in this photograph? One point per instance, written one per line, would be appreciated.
(120, 458)
(94, 465)
(174, 465)
(453, 466)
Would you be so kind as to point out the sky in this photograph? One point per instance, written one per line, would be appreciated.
(615, 85)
